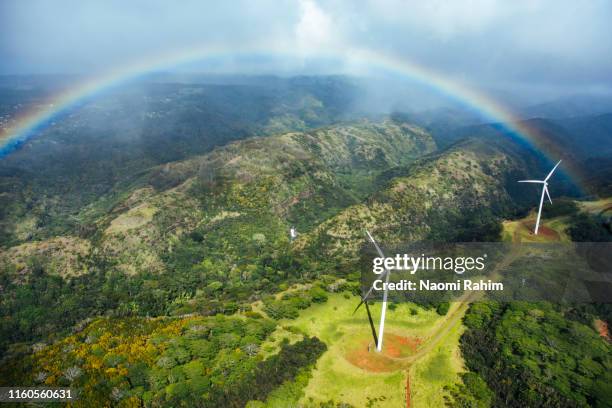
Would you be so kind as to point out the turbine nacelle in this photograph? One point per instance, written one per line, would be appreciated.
(545, 189)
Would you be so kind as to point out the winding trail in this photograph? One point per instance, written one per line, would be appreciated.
(454, 316)
(407, 389)
(451, 320)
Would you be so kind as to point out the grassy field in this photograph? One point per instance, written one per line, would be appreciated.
(420, 346)
(436, 369)
(415, 343)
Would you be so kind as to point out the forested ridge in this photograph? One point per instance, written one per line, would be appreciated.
(535, 354)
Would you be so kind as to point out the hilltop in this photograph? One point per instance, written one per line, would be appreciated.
(455, 194)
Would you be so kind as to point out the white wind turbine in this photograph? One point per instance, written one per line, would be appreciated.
(378, 340)
(544, 191)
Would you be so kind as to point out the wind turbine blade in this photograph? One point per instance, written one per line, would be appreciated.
(367, 295)
(548, 194)
(359, 305)
(380, 253)
(531, 181)
(552, 171)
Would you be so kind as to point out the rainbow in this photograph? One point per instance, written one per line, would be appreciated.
(31, 122)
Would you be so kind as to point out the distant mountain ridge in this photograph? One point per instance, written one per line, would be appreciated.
(570, 107)
(106, 144)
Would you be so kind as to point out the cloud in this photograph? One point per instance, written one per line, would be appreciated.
(438, 17)
(483, 42)
(313, 31)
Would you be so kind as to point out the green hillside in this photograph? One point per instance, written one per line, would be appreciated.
(186, 288)
(205, 233)
(106, 145)
(447, 196)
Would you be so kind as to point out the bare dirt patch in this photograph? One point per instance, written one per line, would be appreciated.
(543, 230)
(408, 390)
(398, 346)
(394, 347)
(603, 329)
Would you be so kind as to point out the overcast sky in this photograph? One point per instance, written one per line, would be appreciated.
(518, 44)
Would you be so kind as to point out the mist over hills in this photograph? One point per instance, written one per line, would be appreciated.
(109, 144)
(570, 107)
(115, 138)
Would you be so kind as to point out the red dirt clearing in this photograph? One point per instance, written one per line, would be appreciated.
(602, 329)
(394, 346)
(543, 230)
(408, 390)
(398, 346)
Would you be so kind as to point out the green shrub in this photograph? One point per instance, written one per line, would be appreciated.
(442, 308)
(318, 295)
